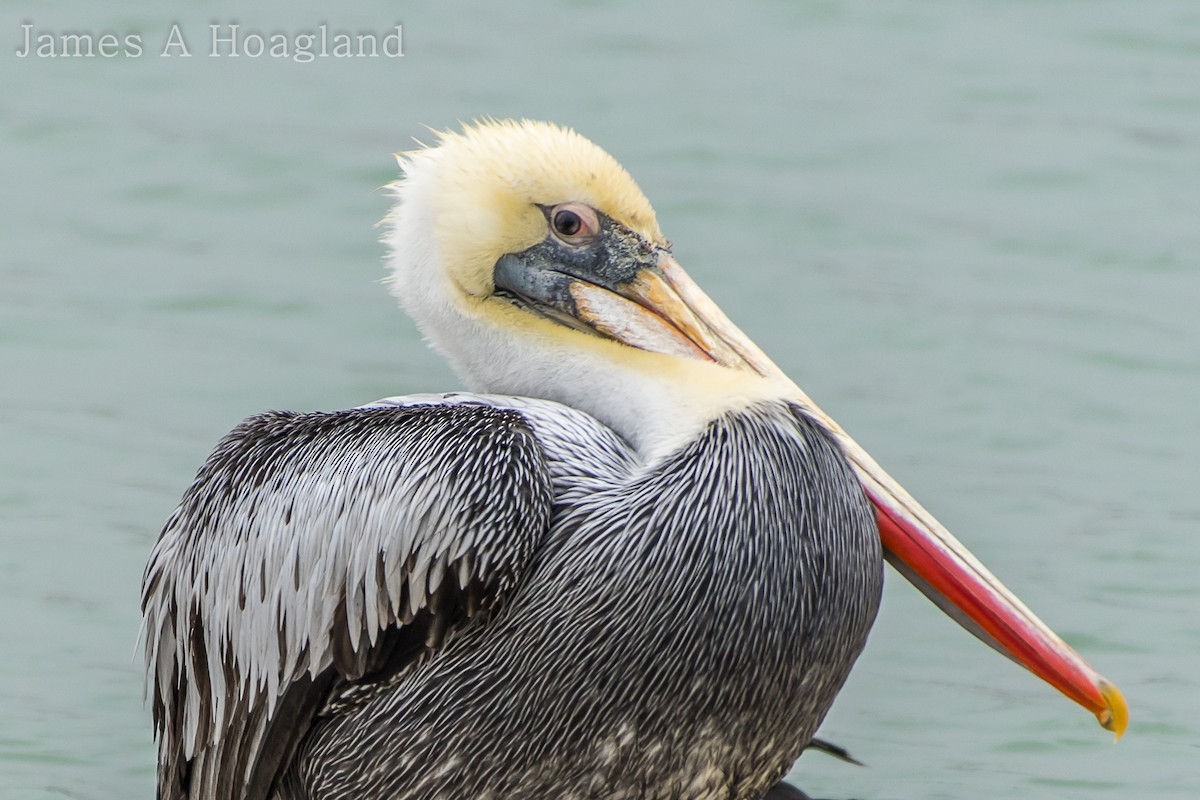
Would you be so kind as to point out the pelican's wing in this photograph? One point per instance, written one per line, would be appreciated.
(315, 548)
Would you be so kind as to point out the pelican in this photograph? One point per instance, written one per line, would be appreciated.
(636, 561)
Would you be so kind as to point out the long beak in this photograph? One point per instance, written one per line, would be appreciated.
(915, 543)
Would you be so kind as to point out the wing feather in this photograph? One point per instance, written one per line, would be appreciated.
(304, 538)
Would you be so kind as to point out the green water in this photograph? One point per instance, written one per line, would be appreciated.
(971, 230)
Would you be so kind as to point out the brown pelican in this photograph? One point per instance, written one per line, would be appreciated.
(638, 563)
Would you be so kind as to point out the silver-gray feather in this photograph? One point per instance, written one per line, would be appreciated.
(670, 630)
(305, 536)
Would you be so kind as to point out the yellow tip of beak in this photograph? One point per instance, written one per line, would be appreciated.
(1115, 717)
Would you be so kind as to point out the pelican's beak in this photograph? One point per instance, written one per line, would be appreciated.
(939, 565)
(661, 309)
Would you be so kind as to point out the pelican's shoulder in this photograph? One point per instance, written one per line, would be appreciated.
(310, 550)
(575, 443)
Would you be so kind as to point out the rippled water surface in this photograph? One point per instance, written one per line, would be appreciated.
(971, 230)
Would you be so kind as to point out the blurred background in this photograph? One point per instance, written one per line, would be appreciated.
(970, 230)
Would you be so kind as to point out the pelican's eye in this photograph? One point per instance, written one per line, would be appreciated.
(574, 223)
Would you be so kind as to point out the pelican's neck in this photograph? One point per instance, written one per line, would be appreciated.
(655, 402)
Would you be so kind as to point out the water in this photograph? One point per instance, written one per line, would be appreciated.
(969, 230)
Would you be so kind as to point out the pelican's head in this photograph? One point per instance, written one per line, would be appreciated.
(530, 258)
